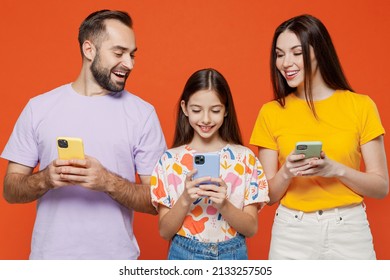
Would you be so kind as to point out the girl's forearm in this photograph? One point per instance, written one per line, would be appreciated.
(172, 219)
(244, 221)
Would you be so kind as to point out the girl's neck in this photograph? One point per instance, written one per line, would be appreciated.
(207, 145)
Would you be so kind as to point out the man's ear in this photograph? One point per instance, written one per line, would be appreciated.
(183, 107)
(89, 50)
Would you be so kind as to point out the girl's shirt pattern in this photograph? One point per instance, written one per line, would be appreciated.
(239, 168)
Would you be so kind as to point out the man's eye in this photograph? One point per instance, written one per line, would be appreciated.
(118, 54)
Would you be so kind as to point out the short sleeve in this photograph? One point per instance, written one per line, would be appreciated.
(22, 146)
(151, 145)
(257, 186)
(262, 131)
(371, 126)
(159, 185)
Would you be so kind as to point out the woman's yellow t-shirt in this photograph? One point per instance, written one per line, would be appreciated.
(346, 120)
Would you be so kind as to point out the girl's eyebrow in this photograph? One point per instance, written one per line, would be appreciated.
(200, 106)
(292, 48)
(196, 105)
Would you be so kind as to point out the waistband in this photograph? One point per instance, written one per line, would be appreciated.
(333, 213)
(211, 247)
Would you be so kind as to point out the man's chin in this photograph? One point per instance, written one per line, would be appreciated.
(117, 87)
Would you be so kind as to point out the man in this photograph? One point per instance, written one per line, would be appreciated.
(85, 207)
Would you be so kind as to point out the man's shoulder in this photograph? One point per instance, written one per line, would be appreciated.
(132, 101)
(135, 98)
(50, 95)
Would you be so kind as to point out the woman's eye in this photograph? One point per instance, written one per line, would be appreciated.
(298, 53)
(216, 111)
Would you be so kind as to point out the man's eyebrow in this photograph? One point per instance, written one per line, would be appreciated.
(118, 47)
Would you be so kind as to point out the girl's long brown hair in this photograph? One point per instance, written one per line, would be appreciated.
(207, 79)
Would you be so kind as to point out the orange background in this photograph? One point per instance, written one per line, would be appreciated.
(39, 51)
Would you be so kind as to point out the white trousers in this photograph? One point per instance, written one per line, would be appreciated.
(335, 234)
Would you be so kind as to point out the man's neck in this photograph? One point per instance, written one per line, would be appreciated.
(86, 85)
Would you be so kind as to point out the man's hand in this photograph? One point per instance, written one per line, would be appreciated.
(88, 173)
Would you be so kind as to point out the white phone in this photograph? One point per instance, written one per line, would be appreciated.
(309, 148)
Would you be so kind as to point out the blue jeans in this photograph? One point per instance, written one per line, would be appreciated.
(183, 248)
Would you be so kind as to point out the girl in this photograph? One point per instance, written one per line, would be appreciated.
(321, 213)
(208, 220)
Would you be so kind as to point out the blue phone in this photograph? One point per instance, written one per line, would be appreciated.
(207, 164)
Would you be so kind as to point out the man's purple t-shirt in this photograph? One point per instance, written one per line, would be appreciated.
(123, 132)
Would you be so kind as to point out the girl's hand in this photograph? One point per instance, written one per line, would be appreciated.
(190, 192)
(216, 192)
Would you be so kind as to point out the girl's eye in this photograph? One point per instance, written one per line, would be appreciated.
(195, 111)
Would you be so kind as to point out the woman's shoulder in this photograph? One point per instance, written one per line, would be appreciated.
(273, 108)
(353, 95)
(273, 104)
(353, 98)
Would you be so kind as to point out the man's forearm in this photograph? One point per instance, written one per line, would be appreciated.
(129, 194)
(21, 188)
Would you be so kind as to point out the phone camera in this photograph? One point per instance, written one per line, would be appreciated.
(302, 147)
(62, 143)
(199, 159)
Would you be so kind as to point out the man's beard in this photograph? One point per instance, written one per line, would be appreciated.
(103, 77)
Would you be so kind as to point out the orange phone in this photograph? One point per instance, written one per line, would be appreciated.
(70, 148)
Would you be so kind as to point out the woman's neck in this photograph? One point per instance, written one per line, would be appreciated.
(320, 91)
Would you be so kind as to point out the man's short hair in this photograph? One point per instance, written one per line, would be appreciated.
(93, 28)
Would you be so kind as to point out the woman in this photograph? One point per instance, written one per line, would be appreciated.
(321, 213)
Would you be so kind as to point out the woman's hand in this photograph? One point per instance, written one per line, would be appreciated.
(298, 165)
(324, 167)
